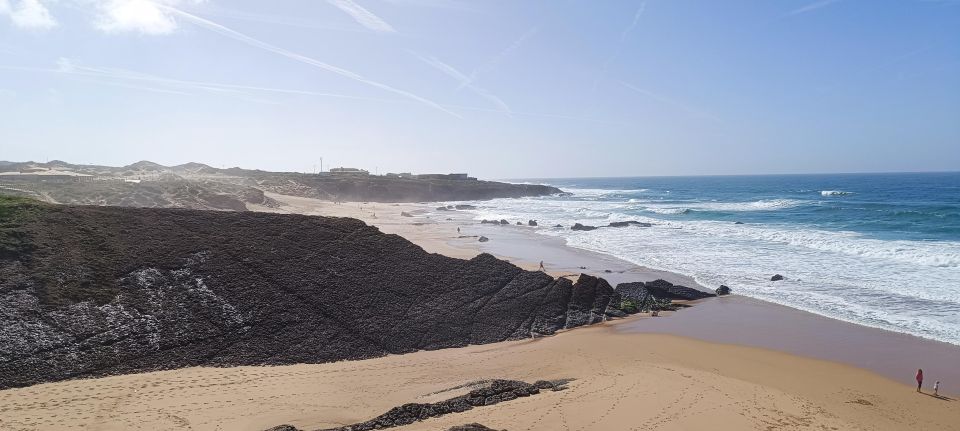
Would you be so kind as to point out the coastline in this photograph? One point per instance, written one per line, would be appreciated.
(726, 363)
(733, 319)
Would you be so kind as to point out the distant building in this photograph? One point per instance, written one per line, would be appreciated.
(455, 177)
(349, 171)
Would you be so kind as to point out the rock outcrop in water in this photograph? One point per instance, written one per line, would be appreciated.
(94, 291)
(659, 289)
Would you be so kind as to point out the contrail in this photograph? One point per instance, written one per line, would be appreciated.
(362, 16)
(495, 60)
(464, 80)
(210, 25)
(682, 106)
(811, 7)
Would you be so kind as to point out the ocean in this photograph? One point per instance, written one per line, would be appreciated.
(881, 250)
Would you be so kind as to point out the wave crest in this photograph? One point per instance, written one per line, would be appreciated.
(834, 193)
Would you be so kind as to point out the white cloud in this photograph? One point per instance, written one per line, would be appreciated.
(28, 14)
(362, 16)
(139, 16)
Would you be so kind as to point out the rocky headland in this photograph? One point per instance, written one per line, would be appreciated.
(93, 291)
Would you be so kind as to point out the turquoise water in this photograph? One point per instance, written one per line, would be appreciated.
(881, 250)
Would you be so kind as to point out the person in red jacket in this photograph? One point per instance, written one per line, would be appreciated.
(919, 379)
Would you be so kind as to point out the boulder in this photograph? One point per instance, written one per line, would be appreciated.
(443, 209)
(485, 221)
(629, 223)
(519, 223)
(723, 290)
(502, 221)
(579, 226)
(532, 223)
(776, 277)
(465, 207)
(738, 222)
(483, 239)
(559, 225)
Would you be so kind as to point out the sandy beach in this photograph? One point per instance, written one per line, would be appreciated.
(728, 363)
(622, 382)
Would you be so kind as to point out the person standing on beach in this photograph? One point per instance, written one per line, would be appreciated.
(919, 379)
(936, 389)
(541, 267)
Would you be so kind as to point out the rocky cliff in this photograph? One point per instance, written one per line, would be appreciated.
(92, 291)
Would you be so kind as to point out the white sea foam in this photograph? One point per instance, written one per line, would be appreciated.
(900, 285)
(760, 205)
(834, 193)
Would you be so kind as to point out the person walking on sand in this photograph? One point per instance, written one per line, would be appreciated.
(541, 267)
(936, 389)
(919, 379)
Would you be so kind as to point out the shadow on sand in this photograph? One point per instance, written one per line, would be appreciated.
(939, 397)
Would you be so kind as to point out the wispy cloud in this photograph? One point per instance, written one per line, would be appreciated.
(218, 28)
(28, 14)
(363, 16)
(811, 7)
(464, 80)
(142, 16)
(673, 102)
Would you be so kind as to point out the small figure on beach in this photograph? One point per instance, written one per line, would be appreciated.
(458, 230)
(919, 379)
(541, 267)
(936, 389)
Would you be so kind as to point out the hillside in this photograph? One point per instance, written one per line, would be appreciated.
(92, 291)
(198, 186)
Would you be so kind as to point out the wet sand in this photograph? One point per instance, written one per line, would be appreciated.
(734, 319)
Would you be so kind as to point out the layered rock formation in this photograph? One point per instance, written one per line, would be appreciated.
(93, 291)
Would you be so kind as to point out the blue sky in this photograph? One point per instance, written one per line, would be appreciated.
(497, 88)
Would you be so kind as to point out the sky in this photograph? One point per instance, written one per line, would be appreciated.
(495, 88)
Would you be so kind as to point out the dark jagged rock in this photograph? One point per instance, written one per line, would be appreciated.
(629, 223)
(485, 221)
(95, 291)
(471, 427)
(723, 290)
(532, 223)
(504, 222)
(559, 225)
(494, 392)
(662, 289)
(738, 222)
(776, 277)
(465, 207)
(284, 428)
(579, 226)
(589, 301)
(635, 291)
(483, 239)
(519, 223)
